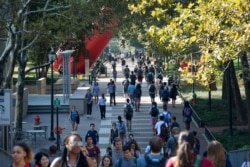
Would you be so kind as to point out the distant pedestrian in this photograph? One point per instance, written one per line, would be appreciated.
(131, 89)
(96, 90)
(197, 143)
(52, 153)
(128, 113)
(22, 155)
(113, 133)
(165, 95)
(152, 91)
(114, 74)
(89, 101)
(125, 85)
(92, 133)
(187, 115)
(42, 159)
(132, 78)
(173, 93)
(73, 118)
(137, 97)
(154, 113)
(121, 128)
(171, 144)
(174, 123)
(102, 105)
(112, 90)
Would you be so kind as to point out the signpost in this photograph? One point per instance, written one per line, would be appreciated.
(57, 105)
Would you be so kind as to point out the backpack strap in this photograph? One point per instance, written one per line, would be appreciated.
(135, 162)
(120, 162)
(197, 161)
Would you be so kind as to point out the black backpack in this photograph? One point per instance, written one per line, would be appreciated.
(152, 89)
(164, 131)
(155, 162)
(129, 110)
(154, 112)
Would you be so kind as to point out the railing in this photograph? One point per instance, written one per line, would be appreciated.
(209, 134)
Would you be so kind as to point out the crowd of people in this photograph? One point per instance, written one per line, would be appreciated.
(170, 146)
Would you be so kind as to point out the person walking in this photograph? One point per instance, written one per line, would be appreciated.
(125, 85)
(89, 101)
(154, 113)
(173, 93)
(72, 154)
(187, 115)
(102, 105)
(73, 118)
(22, 156)
(117, 150)
(128, 113)
(152, 91)
(121, 128)
(112, 90)
(92, 133)
(131, 89)
(114, 74)
(96, 90)
(137, 97)
(165, 94)
(113, 133)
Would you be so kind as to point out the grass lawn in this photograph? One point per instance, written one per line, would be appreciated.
(218, 116)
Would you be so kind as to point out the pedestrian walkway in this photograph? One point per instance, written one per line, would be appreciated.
(141, 127)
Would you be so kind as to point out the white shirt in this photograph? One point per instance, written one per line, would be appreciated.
(101, 101)
(158, 126)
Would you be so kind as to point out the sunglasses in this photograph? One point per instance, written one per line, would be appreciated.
(76, 143)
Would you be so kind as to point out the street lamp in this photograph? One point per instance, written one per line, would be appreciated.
(52, 56)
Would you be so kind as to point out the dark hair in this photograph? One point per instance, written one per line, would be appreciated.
(52, 149)
(117, 139)
(119, 118)
(186, 104)
(38, 158)
(127, 100)
(103, 96)
(161, 117)
(186, 136)
(174, 118)
(126, 147)
(92, 124)
(156, 144)
(27, 149)
(154, 103)
(82, 160)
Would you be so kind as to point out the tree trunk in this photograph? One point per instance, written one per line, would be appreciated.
(236, 95)
(245, 75)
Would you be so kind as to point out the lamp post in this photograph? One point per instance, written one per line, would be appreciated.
(52, 56)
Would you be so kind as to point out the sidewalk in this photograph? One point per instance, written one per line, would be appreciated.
(141, 121)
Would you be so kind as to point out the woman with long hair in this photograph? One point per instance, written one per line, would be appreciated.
(72, 155)
(22, 155)
(185, 156)
(42, 159)
(216, 153)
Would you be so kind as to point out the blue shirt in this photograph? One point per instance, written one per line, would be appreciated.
(131, 89)
(73, 115)
(94, 135)
(96, 90)
(88, 98)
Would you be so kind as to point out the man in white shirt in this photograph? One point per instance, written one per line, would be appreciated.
(158, 125)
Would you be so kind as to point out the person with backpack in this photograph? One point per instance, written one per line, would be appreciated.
(185, 153)
(187, 115)
(93, 134)
(140, 74)
(137, 97)
(127, 160)
(173, 93)
(154, 112)
(128, 114)
(126, 71)
(171, 144)
(125, 85)
(154, 158)
(132, 78)
(150, 77)
(165, 95)
(121, 128)
(167, 115)
(152, 91)
(162, 129)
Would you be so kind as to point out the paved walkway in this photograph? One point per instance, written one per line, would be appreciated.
(141, 121)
